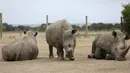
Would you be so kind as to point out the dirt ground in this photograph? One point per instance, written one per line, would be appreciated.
(81, 64)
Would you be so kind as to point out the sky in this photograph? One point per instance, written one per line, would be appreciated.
(74, 11)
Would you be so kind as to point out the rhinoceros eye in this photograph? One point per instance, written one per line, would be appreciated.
(69, 45)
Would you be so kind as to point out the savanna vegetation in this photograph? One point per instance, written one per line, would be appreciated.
(42, 27)
(126, 18)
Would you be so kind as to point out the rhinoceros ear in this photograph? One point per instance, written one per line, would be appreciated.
(74, 31)
(114, 33)
(127, 37)
(35, 34)
(62, 29)
(24, 32)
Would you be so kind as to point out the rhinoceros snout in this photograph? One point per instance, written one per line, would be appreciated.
(70, 56)
(120, 59)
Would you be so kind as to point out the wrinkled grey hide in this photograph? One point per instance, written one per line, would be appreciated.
(61, 35)
(24, 49)
(110, 46)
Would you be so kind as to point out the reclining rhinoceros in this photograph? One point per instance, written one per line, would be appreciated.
(111, 46)
(23, 49)
(61, 35)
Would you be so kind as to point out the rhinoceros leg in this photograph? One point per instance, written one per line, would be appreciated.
(110, 57)
(60, 51)
(93, 51)
(99, 53)
(51, 51)
(91, 55)
(61, 54)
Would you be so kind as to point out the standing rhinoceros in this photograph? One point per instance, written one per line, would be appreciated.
(61, 35)
(110, 46)
(24, 49)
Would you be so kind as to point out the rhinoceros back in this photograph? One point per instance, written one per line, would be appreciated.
(54, 31)
(24, 49)
(105, 42)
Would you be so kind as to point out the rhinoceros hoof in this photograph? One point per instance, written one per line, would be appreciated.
(89, 56)
(51, 57)
(60, 58)
(72, 59)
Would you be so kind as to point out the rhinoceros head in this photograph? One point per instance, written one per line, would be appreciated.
(31, 33)
(119, 45)
(69, 42)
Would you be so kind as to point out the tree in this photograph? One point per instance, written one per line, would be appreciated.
(126, 18)
(42, 27)
(7, 27)
(76, 27)
(118, 26)
(22, 27)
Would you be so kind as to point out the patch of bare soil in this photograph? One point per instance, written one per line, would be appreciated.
(81, 64)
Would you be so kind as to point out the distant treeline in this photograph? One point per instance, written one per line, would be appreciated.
(7, 27)
(42, 27)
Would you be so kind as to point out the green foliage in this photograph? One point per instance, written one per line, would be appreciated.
(7, 27)
(117, 26)
(21, 27)
(103, 26)
(98, 26)
(76, 27)
(126, 17)
(42, 27)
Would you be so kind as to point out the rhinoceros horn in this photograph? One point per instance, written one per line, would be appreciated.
(125, 51)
